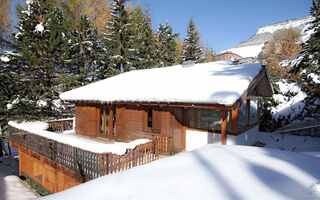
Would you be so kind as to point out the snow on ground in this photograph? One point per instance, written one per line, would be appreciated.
(211, 172)
(247, 51)
(201, 84)
(99, 145)
(285, 25)
(291, 100)
(12, 188)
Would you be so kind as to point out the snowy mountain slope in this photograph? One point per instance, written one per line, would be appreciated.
(253, 46)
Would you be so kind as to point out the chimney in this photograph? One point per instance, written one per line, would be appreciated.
(188, 62)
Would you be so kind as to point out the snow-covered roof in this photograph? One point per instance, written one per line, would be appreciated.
(208, 83)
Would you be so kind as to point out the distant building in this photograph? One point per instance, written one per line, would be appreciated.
(228, 55)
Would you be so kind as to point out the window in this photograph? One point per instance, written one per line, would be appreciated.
(253, 111)
(204, 119)
(107, 122)
(242, 119)
(114, 121)
(149, 118)
(104, 121)
(101, 120)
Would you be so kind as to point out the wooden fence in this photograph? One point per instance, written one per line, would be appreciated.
(89, 164)
(163, 143)
(60, 125)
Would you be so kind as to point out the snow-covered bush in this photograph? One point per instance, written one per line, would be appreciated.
(286, 105)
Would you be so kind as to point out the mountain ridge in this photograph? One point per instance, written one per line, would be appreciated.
(253, 46)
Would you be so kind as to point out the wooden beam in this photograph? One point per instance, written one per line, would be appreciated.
(248, 112)
(223, 127)
(234, 119)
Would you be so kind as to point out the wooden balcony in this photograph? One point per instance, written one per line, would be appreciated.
(88, 164)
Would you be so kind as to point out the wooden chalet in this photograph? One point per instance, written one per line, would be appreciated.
(177, 108)
(183, 106)
(228, 55)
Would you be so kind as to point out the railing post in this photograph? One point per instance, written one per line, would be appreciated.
(102, 167)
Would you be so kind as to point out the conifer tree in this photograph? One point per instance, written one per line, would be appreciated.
(39, 56)
(191, 45)
(118, 39)
(166, 46)
(309, 67)
(85, 55)
(144, 43)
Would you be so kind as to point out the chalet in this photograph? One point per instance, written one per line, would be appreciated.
(208, 103)
(174, 109)
(228, 55)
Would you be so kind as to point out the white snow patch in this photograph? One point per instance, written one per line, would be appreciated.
(4, 58)
(82, 142)
(39, 27)
(315, 78)
(247, 51)
(9, 106)
(202, 83)
(211, 172)
(292, 61)
(41, 103)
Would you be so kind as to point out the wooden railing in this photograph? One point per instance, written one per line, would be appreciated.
(163, 144)
(60, 125)
(89, 164)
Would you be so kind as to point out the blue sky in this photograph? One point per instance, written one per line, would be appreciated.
(223, 23)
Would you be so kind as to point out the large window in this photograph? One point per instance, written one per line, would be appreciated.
(104, 120)
(244, 111)
(253, 111)
(242, 119)
(204, 119)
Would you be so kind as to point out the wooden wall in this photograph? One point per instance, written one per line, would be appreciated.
(87, 120)
(131, 124)
(49, 175)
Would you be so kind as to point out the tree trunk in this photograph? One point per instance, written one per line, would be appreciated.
(1, 153)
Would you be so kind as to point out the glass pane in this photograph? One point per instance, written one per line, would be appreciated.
(101, 120)
(253, 111)
(114, 121)
(205, 119)
(107, 122)
(229, 121)
(150, 118)
(242, 115)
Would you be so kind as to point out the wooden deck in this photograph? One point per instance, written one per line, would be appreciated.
(76, 163)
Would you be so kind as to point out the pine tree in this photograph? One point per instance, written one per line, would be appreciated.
(85, 55)
(39, 56)
(309, 67)
(5, 23)
(118, 39)
(144, 43)
(191, 45)
(166, 46)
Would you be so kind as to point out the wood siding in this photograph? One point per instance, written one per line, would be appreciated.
(87, 120)
(50, 175)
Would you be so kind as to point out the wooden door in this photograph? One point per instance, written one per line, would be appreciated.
(178, 137)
